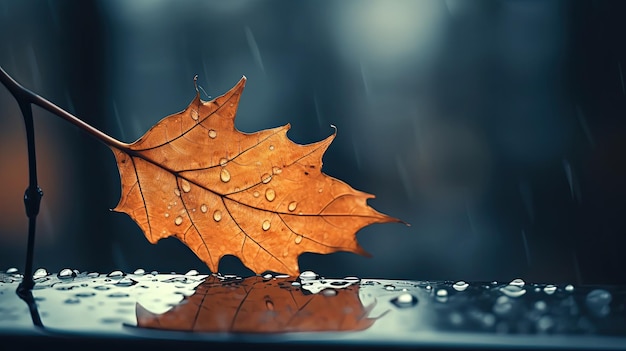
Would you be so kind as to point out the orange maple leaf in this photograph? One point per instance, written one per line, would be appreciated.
(259, 196)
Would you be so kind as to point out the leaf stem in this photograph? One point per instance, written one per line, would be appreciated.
(25, 96)
(33, 194)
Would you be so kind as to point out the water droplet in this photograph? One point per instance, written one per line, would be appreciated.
(85, 294)
(40, 273)
(102, 287)
(404, 300)
(389, 287)
(194, 115)
(212, 133)
(178, 220)
(549, 289)
(502, 306)
(11, 270)
(139, 271)
(265, 178)
(569, 288)
(66, 273)
(270, 194)
(460, 286)
(72, 301)
(192, 272)
(544, 323)
(320, 190)
(308, 275)
(541, 306)
(269, 305)
(223, 162)
(225, 175)
(271, 147)
(298, 239)
(185, 185)
(255, 194)
(598, 301)
(292, 206)
(266, 225)
(126, 281)
(442, 292)
(204, 208)
(329, 292)
(517, 282)
(268, 276)
(115, 274)
(118, 294)
(295, 283)
(166, 215)
(217, 215)
(176, 191)
(513, 291)
(277, 170)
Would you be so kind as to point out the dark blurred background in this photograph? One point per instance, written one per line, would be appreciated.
(495, 128)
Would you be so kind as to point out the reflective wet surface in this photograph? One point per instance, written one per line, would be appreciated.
(311, 308)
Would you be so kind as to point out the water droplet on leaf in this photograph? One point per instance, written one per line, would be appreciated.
(217, 215)
(185, 185)
(178, 220)
(225, 175)
(212, 133)
(266, 178)
(270, 194)
(292, 206)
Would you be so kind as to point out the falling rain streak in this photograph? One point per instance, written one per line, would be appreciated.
(254, 48)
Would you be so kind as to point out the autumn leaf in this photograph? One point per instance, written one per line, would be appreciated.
(258, 196)
(256, 305)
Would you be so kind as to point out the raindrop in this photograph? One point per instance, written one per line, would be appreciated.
(176, 191)
(225, 175)
(167, 215)
(442, 292)
(517, 282)
(217, 215)
(513, 291)
(85, 294)
(277, 170)
(40, 273)
(404, 300)
(212, 133)
(389, 287)
(72, 301)
(11, 270)
(116, 274)
(329, 292)
(460, 285)
(502, 306)
(268, 276)
(549, 289)
(192, 272)
(298, 239)
(93, 275)
(223, 162)
(265, 178)
(269, 305)
(598, 301)
(118, 294)
(308, 275)
(194, 115)
(126, 281)
(569, 288)
(66, 273)
(139, 271)
(271, 147)
(295, 283)
(266, 225)
(292, 206)
(255, 194)
(204, 208)
(270, 194)
(352, 279)
(102, 287)
(185, 185)
(178, 220)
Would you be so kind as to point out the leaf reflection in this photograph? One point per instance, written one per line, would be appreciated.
(258, 305)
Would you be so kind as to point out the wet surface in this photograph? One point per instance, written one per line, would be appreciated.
(310, 308)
